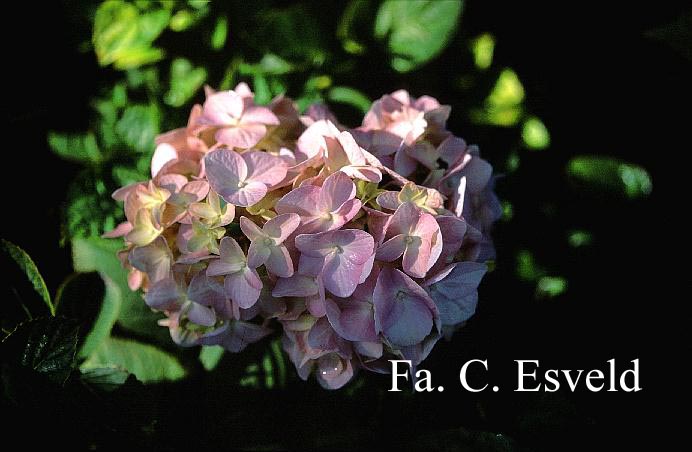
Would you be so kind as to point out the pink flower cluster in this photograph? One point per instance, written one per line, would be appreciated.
(363, 244)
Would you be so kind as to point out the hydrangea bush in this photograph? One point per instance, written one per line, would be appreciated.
(362, 245)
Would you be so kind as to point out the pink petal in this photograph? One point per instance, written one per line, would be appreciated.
(257, 254)
(404, 164)
(392, 249)
(163, 154)
(416, 257)
(364, 172)
(242, 334)
(310, 266)
(302, 201)
(200, 315)
(352, 320)
(221, 108)
(281, 226)
(341, 275)
(243, 287)
(353, 152)
(404, 312)
(249, 195)
(243, 136)
(279, 262)
(251, 230)
(120, 230)
(378, 223)
(336, 190)
(388, 200)
(208, 292)
(295, 286)
(225, 171)
(404, 219)
(164, 295)
(154, 259)
(451, 149)
(265, 168)
(261, 115)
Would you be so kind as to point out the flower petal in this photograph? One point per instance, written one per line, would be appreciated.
(281, 226)
(258, 114)
(295, 286)
(257, 254)
(242, 136)
(243, 287)
(404, 312)
(352, 320)
(336, 190)
(265, 168)
(279, 262)
(392, 249)
(302, 201)
(251, 230)
(225, 171)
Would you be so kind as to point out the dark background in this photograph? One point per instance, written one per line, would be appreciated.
(600, 85)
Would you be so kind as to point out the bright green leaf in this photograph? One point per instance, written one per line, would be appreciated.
(29, 270)
(210, 356)
(220, 33)
(349, 96)
(483, 48)
(78, 148)
(146, 362)
(273, 64)
(503, 106)
(97, 254)
(182, 20)
(123, 36)
(611, 175)
(550, 286)
(527, 267)
(110, 310)
(416, 31)
(535, 134)
(185, 81)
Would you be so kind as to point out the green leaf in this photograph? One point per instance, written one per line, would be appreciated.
(535, 134)
(273, 64)
(550, 286)
(97, 254)
(610, 175)
(483, 48)
(139, 126)
(44, 345)
(503, 106)
(579, 238)
(349, 96)
(218, 36)
(416, 31)
(80, 148)
(28, 268)
(527, 267)
(123, 36)
(146, 362)
(210, 355)
(106, 379)
(185, 81)
(110, 310)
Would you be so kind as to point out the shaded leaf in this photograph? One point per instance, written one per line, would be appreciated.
(17, 257)
(108, 315)
(611, 175)
(535, 134)
(105, 378)
(218, 36)
(45, 345)
(146, 362)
